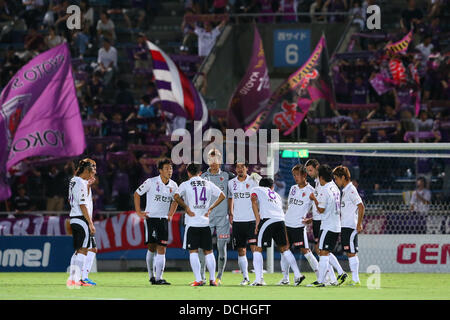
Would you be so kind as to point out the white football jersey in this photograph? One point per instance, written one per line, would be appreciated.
(198, 194)
(316, 215)
(299, 205)
(159, 196)
(329, 198)
(90, 205)
(349, 206)
(240, 193)
(78, 195)
(270, 203)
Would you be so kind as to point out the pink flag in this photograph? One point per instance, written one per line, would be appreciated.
(39, 113)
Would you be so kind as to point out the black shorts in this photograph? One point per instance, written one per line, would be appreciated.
(197, 237)
(349, 240)
(80, 232)
(244, 233)
(156, 231)
(328, 240)
(269, 229)
(316, 229)
(297, 237)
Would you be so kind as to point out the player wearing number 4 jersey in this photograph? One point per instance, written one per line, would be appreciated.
(269, 216)
(352, 213)
(195, 196)
(299, 205)
(328, 204)
(159, 209)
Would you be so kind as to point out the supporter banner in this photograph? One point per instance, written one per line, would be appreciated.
(405, 253)
(39, 113)
(30, 254)
(126, 232)
(29, 225)
(253, 92)
(399, 46)
(290, 102)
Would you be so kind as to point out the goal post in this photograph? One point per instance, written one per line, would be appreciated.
(388, 172)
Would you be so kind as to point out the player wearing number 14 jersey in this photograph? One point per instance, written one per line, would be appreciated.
(195, 196)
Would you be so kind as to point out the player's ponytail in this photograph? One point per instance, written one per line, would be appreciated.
(82, 165)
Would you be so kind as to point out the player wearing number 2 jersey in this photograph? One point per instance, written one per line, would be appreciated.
(195, 196)
(328, 204)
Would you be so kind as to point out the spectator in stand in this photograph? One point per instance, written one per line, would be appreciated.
(245, 6)
(144, 169)
(146, 110)
(107, 62)
(188, 30)
(207, 37)
(33, 10)
(106, 28)
(421, 197)
(95, 86)
(425, 48)
(359, 91)
(318, 6)
(53, 39)
(445, 84)
(6, 19)
(121, 186)
(411, 17)
(87, 16)
(124, 95)
(359, 16)
(424, 123)
(137, 13)
(336, 6)
(98, 195)
(117, 127)
(220, 6)
(80, 40)
(141, 56)
(22, 203)
(61, 20)
(151, 90)
(55, 193)
(34, 42)
(289, 7)
(361, 192)
(266, 6)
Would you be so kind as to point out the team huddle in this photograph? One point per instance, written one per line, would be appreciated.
(253, 212)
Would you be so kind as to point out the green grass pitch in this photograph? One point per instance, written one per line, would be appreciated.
(135, 286)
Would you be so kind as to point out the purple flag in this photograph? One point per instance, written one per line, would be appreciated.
(39, 113)
(290, 102)
(380, 84)
(253, 92)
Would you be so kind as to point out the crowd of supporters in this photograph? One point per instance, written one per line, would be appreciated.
(126, 129)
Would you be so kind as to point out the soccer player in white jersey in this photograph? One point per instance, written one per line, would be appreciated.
(312, 168)
(268, 210)
(299, 205)
(92, 250)
(241, 215)
(81, 223)
(352, 213)
(159, 209)
(198, 194)
(328, 204)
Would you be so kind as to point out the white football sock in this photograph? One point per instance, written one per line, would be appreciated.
(354, 267)
(323, 268)
(243, 265)
(258, 265)
(160, 262)
(314, 264)
(210, 262)
(331, 274)
(88, 264)
(149, 260)
(72, 268)
(284, 267)
(195, 265)
(292, 263)
(335, 263)
(79, 263)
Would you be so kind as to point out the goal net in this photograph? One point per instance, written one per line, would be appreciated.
(402, 232)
